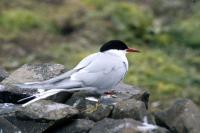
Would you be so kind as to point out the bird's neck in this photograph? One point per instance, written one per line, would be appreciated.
(120, 53)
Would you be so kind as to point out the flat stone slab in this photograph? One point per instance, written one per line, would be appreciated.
(47, 110)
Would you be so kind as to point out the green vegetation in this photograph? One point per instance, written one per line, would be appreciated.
(65, 31)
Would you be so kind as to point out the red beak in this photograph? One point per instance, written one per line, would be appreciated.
(132, 50)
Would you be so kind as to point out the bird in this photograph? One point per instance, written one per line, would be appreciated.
(102, 70)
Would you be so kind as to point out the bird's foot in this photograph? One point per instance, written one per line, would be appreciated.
(111, 93)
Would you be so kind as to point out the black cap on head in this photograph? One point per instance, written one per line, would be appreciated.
(113, 44)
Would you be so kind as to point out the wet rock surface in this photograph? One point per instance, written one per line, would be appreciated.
(88, 112)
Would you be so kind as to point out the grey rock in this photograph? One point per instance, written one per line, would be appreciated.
(125, 126)
(130, 108)
(7, 127)
(31, 73)
(46, 110)
(150, 118)
(130, 91)
(29, 126)
(97, 112)
(182, 117)
(89, 109)
(76, 126)
(8, 109)
(3, 74)
(7, 96)
(34, 72)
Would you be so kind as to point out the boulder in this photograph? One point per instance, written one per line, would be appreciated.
(108, 125)
(45, 110)
(29, 73)
(34, 72)
(130, 108)
(3, 74)
(182, 117)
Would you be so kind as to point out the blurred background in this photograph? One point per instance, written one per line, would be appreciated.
(64, 31)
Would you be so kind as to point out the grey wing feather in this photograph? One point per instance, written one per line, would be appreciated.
(86, 61)
(61, 81)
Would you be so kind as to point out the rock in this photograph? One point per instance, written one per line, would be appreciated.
(8, 114)
(93, 111)
(129, 91)
(33, 73)
(97, 112)
(130, 108)
(182, 117)
(30, 126)
(46, 110)
(8, 109)
(108, 125)
(7, 127)
(11, 96)
(89, 109)
(3, 74)
(76, 126)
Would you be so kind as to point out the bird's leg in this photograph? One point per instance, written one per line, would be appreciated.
(110, 93)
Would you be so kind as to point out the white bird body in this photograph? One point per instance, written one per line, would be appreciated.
(102, 70)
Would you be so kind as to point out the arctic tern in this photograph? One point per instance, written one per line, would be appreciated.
(102, 70)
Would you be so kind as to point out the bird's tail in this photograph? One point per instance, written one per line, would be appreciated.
(49, 93)
(65, 84)
(56, 82)
(34, 85)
